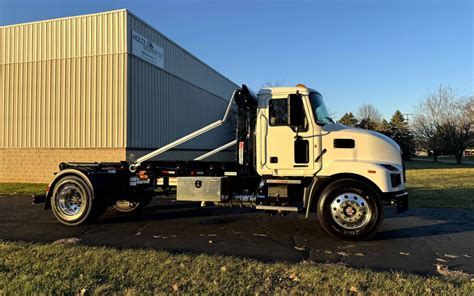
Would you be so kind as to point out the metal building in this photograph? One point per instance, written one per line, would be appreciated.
(100, 87)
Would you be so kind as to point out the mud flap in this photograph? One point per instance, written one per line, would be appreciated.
(402, 202)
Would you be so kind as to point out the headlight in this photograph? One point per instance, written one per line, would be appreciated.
(389, 167)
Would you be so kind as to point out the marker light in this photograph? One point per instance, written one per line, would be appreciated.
(142, 175)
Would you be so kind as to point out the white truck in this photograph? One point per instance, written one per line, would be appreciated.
(290, 157)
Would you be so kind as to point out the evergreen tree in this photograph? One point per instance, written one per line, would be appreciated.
(384, 128)
(349, 120)
(368, 124)
(399, 131)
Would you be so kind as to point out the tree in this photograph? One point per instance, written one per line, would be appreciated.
(399, 131)
(443, 122)
(349, 120)
(383, 127)
(369, 117)
(427, 136)
(457, 129)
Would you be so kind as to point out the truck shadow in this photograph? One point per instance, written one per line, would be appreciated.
(428, 222)
(433, 222)
(173, 211)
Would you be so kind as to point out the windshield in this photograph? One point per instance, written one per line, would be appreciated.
(319, 109)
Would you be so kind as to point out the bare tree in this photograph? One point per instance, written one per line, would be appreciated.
(369, 117)
(458, 128)
(427, 136)
(443, 123)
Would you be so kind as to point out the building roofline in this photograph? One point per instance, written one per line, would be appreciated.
(139, 19)
(64, 18)
(180, 47)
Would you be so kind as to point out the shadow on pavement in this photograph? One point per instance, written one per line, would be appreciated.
(168, 212)
(440, 222)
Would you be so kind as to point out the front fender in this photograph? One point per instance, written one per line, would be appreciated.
(376, 173)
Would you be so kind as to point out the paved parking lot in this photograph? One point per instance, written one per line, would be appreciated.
(415, 241)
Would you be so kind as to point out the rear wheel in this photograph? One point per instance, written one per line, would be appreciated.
(73, 203)
(350, 210)
(128, 206)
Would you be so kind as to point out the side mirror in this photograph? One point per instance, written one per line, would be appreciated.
(296, 111)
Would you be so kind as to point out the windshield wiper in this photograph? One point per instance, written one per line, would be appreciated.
(330, 119)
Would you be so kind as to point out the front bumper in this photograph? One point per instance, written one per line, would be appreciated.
(398, 199)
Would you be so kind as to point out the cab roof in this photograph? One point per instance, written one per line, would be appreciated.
(286, 90)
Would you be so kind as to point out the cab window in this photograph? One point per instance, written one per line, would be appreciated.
(278, 112)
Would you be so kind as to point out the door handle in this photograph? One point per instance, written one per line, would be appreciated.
(320, 155)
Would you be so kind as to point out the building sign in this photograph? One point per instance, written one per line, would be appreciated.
(147, 50)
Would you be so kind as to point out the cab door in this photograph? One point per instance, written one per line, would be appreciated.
(288, 139)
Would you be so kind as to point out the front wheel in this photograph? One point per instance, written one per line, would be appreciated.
(350, 210)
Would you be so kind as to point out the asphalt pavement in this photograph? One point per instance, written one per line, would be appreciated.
(416, 241)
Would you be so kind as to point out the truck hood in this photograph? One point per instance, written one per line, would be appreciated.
(369, 145)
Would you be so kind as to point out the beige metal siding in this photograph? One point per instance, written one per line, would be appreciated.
(63, 83)
(66, 83)
(87, 35)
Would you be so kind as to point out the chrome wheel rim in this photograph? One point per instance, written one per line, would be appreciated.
(125, 205)
(350, 210)
(70, 200)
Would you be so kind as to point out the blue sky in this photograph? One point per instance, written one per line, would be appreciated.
(386, 53)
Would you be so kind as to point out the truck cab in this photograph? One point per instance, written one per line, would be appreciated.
(288, 132)
(346, 173)
(295, 137)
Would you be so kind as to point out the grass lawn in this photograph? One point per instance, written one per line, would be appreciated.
(22, 188)
(450, 158)
(440, 185)
(64, 269)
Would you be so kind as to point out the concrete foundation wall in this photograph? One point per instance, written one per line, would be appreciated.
(38, 165)
(24, 165)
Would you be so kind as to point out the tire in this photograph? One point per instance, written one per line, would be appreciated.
(350, 210)
(126, 206)
(73, 202)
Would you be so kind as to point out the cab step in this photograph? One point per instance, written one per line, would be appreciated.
(277, 208)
